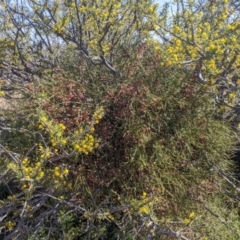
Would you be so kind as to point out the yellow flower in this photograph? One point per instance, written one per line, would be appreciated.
(168, 63)
(233, 39)
(76, 146)
(150, 9)
(24, 186)
(155, 27)
(40, 174)
(144, 209)
(25, 161)
(230, 27)
(187, 220)
(28, 207)
(65, 172)
(231, 95)
(170, 50)
(110, 217)
(82, 9)
(178, 42)
(144, 194)
(222, 40)
(204, 35)
(59, 134)
(200, 14)
(211, 46)
(213, 8)
(38, 164)
(62, 126)
(10, 225)
(56, 171)
(86, 215)
(2, 93)
(53, 142)
(176, 29)
(175, 57)
(56, 181)
(191, 215)
(90, 149)
(96, 144)
(43, 119)
(80, 149)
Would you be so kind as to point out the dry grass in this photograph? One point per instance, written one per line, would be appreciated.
(5, 104)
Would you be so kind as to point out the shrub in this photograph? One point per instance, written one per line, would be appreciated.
(112, 135)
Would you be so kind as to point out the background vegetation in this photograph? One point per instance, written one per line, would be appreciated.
(119, 119)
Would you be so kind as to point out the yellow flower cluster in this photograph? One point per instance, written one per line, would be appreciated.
(2, 94)
(29, 171)
(98, 115)
(85, 145)
(10, 225)
(87, 141)
(110, 217)
(56, 131)
(32, 170)
(58, 176)
(60, 173)
(202, 38)
(61, 126)
(58, 28)
(12, 197)
(81, 140)
(190, 218)
(100, 17)
(145, 204)
(13, 166)
(144, 209)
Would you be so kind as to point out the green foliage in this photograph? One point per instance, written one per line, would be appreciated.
(120, 141)
(160, 143)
